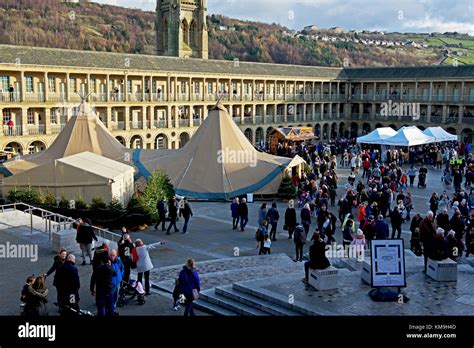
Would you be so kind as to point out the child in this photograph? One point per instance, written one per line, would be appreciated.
(359, 243)
(24, 291)
(176, 295)
(267, 244)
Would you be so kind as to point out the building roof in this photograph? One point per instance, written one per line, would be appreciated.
(106, 60)
(419, 72)
(122, 61)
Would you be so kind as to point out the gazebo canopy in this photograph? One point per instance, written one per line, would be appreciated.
(377, 136)
(409, 136)
(440, 134)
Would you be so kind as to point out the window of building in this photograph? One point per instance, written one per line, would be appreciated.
(73, 84)
(246, 88)
(5, 83)
(52, 84)
(209, 87)
(185, 31)
(31, 117)
(222, 90)
(196, 87)
(7, 116)
(129, 86)
(183, 87)
(93, 85)
(29, 84)
(192, 34)
(54, 115)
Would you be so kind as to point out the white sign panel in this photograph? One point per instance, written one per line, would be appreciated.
(388, 263)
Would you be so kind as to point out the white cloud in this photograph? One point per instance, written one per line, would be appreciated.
(436, 25)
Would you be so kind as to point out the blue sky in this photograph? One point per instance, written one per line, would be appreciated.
(386, 15)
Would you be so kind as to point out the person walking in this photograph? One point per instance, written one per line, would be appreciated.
(118, 267)
(299, 238)
(125, 251)
(273, 216)
(190, 285)
(36, 299)
(411, 172)
(85, 236)
(427, 232)
(144, 264)
(396, 219)
(161, 210)
(290, 218)
(68, 284)
(234, 209)
(306, 218)
(173, 215)
(243, 214)
(186, 212)
(59, 260)
(102, 286)
(262, 214)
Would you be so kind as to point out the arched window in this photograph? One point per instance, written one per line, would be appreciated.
(192, 34)
(185, 30)
(165, 35)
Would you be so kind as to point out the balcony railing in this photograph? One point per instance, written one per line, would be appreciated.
(118, 126)
(290, 118)
(116, 97)
(36, 129)
(436, 119)
(57, 97)
(158, 97)
(259, 119)
(57, 128)
(236, 120)
(248, 120)
(34, 97)
(11, 131)
(184, 122)
(136, 125)
(468, 119)
(98, 97)
(196, 122)
(160, 124)
(246, 97)
(9, 97)
(269, 119)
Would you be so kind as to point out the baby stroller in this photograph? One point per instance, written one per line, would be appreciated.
(129, 291)
(303, 199)
(422, 180)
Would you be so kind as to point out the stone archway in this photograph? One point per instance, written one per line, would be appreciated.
(36, 146)
(183, 139)
(161, 142)
(136, 142)
(121, 140)
(14, 147)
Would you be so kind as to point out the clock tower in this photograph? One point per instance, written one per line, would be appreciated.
(181, 28)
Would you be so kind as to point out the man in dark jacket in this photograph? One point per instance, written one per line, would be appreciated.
(299, 237)
(438, 246)
(397, 220)
(68, 284)
(102, 286)
(442, 220)
(85, 235)
(381, 229)
(290, 218)
(243, 214)
(427, 232)
(186, 213)
(317, 256)
(273, 216)
(173, 215)
(161, 209)
(125, 249)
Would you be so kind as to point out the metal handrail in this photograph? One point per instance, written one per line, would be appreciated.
(63, 220)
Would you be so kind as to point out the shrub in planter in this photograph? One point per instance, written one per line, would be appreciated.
(98, 203)
(80, 204)
(287, 190)
(28, 196)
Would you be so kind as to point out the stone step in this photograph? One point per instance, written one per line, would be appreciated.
(227, 303)
(213, 309)
(221, 265)
(279, 300)
(255, 302)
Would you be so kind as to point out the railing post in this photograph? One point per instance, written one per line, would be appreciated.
(31, 221)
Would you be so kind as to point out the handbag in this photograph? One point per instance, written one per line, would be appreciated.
(195, 291)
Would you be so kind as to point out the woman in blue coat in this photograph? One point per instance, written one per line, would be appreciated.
(190, 285)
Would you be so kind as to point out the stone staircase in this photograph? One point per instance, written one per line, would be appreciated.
(222, 290)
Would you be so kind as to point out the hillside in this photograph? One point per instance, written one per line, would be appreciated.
(91, 26)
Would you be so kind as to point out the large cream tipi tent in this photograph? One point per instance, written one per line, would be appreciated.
(83, 132)
(219, 162)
